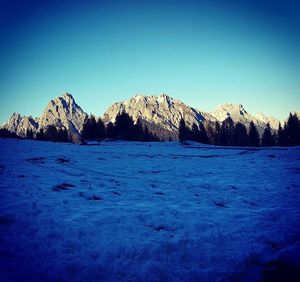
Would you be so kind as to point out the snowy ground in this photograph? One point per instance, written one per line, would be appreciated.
(146, 211)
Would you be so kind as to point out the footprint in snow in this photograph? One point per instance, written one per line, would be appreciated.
(63, 187)
(62, 160)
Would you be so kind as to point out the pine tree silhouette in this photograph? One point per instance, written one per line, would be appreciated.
(124, 127)
(5, 133)
(29, 134)
(281, 137)
(195, 133)
(267, 138)
(92, 129)
(292, 130)
(40, 135)
(110, 131)
(253, 135)
(183, 131)
(217, 132)
(240, 135)
(138, 131)
(226, 132)
(100, 130)
(210, 133)
(202, 134)
(63, 135)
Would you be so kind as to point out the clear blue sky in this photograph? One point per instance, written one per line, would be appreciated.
(203, 53)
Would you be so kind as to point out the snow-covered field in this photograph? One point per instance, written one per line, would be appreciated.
(146, 211)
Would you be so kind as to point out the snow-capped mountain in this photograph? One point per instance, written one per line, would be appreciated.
(161, 111)
(21, 124)
(165, 112)
(63, 112)
(239, 114)
(236, 112)
(161, 114)
(274, 123)
(297, 113)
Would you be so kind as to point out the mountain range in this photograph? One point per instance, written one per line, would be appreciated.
(161, 114)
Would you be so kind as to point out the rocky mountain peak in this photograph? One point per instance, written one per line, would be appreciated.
(239, 114)
(68, 95)
(21, 124)
(63, 112)
(162, 111)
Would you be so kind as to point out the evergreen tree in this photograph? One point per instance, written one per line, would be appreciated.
(267, 138)
(40, 135)
(5, 133)
(51, 133)
(110, 130)
(240, 135)
(253, 135)
(147, 136)
(62, 135)
(292, 130)
(124, 127)
(183, 131)
(195, 133)
(29, 134)
(217, 133)
(86, 132)
(93, 128)
(100, 130)
(138, 131)
(281, 137)
(202, 134)
(210, 133)
(90, 130)
(226, 132)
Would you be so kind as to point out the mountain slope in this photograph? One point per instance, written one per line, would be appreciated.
(164, 113)
(21, 124)
(63, 112)
(156, 111)
(239, 114)
(161, 114)
(274, 123)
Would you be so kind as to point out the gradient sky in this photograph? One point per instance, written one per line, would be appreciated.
(204, 53)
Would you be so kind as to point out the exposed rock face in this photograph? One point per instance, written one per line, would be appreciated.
(63, 112)
(162, 111)
(161, 114)
(297, 113)
(236, 112)
(165, 113)
(21, 124)
(274, 123)
(239, 114)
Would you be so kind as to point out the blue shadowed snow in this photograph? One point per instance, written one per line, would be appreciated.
(145, 211)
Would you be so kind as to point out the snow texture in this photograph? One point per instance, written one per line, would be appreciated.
(120, 211)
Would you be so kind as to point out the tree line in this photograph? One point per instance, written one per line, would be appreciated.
(229, 133)
(50, 133)
(226, 133)
(123, 128)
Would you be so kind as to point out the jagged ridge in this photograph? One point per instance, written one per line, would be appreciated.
(161, 114)
(62, 112)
